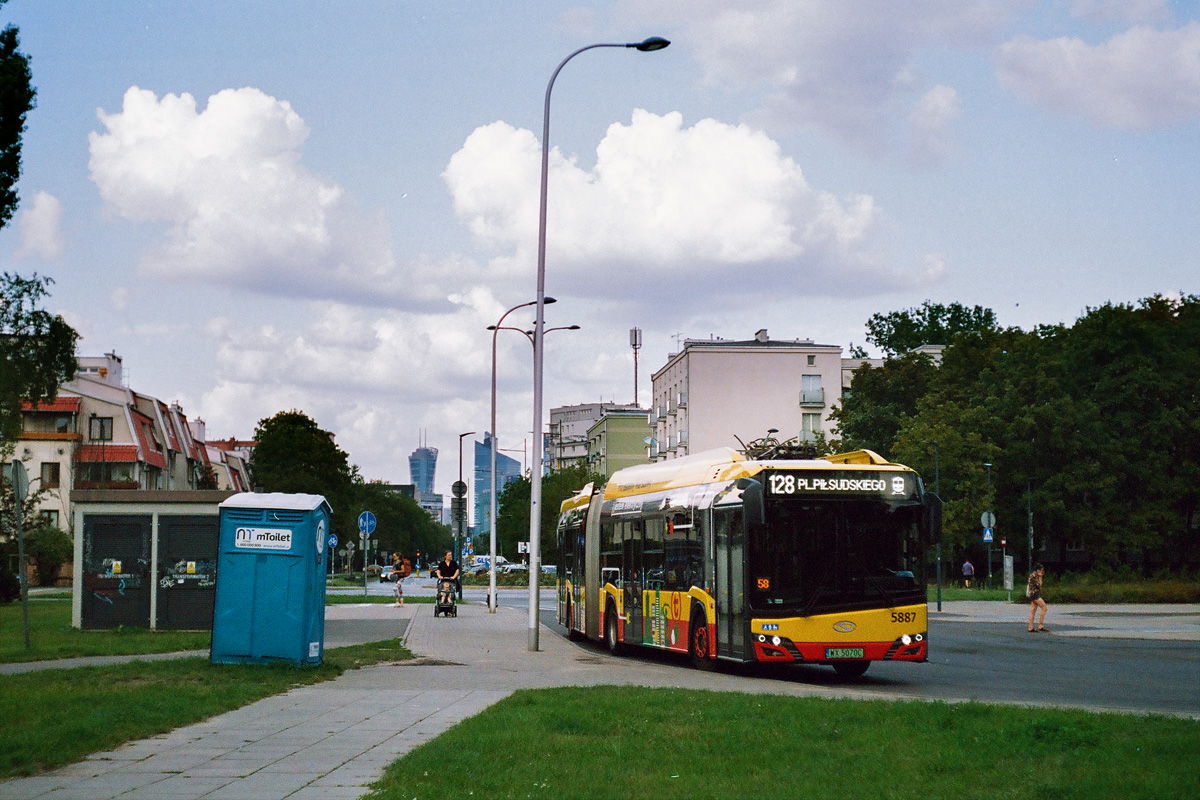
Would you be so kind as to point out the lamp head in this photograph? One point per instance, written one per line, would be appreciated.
(650, 45)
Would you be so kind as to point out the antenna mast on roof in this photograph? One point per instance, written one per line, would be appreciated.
(635, 341)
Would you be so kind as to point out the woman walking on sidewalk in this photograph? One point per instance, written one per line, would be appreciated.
(1034, 592)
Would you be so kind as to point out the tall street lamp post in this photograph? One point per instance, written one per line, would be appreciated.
(495, 511)
(937, 489)
(991, 517)
(460, 498)
(535, 486)
(495, 329)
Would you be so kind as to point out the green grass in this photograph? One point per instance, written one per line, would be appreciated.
(59, 716)
(51, 635)
(671, 743)
(959, 593)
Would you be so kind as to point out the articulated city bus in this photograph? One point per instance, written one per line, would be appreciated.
(725, 557)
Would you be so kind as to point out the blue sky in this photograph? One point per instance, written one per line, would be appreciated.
(272, 205)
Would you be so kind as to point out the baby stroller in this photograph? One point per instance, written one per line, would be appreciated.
(445, 598)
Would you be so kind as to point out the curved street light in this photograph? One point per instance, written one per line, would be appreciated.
(535, 484)
(494, 500)
(492, 503)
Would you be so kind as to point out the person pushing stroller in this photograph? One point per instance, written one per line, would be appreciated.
(447, 578)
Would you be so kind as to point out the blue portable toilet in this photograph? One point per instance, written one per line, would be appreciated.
(270, 593)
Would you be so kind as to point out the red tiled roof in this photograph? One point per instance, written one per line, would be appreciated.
(165, 415)
(59, 405)
(143, 428)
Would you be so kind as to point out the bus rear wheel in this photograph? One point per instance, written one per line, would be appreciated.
(699, 643)
(610, 630)
(851, 669)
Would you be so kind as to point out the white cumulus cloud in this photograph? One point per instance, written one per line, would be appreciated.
(40, 228)
(1141, 78)
(929, 123)
(667, 207)
(239, 207)
(847, 68)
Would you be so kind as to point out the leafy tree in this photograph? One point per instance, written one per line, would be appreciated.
(37, 349)
(1095, 426)
(293, 454)
(16, 100)
(402, 526)
(932, 323)
(879, 400)
(49, 548)
(512, 525)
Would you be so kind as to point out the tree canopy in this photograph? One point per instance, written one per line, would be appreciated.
(16, 100)
(293, 454)
(512, 525)
(37, 349)
(933, 323)
(1094, 427)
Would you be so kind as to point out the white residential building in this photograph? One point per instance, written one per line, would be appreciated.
(718, 392)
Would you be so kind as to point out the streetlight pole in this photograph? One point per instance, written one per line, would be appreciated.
(990, 516)
(937, 489)
(535, 486)
(460, 491)
(528, 335)
(492, 505)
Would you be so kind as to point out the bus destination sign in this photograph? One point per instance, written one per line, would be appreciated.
(829, 482)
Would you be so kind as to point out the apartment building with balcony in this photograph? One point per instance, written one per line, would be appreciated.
(717, 392)
(100, 434)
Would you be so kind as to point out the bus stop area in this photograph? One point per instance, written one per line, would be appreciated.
(332, 740)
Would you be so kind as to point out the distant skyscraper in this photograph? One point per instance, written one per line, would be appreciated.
(507, 469)
(422, 466)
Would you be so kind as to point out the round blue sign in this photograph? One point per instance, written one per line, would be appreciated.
(366, 522)
(332, 540)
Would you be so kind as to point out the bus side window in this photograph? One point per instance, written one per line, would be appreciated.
(653, 555)
(610, 555)
(684, 556)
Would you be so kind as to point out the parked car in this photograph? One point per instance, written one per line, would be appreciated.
(388, 574)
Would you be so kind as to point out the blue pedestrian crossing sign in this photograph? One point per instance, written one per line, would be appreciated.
(366, 522)
(987, 534)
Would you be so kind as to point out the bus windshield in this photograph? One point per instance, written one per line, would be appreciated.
(824, 555)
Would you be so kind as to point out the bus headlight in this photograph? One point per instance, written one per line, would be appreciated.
(775, 640)
(906, 640)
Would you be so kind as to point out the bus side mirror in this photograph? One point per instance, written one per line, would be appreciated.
(752, 500)
(931, 519)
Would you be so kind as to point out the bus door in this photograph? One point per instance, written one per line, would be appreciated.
(634, 580)
(730, 557)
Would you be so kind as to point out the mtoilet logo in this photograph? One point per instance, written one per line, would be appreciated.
(263, 539)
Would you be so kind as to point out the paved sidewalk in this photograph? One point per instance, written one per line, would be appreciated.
(332, 740)
(1179, 622)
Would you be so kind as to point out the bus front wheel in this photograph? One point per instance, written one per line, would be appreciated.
(851, 669)
(610, 630)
